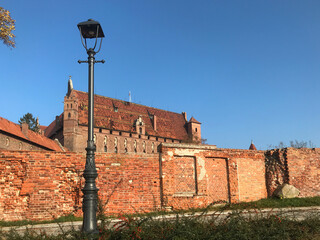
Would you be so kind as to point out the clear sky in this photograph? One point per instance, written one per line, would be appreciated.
(248, 70)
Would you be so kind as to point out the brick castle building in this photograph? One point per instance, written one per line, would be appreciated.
(119, 126)
(19, 137)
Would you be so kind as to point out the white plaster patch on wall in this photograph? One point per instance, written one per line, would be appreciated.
(186, 152)
(203, 172)
(170, 153)
(115, 164)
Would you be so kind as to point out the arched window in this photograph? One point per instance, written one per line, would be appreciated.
(152, 147)
(135, 145)
(105, 142)
(125, 145)
(144, 146)
(115, 145)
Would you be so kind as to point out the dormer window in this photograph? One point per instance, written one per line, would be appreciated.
(115, 109)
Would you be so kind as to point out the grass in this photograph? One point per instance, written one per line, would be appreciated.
(235, 226)
(274, 203)
(67, 218)
(263, 203)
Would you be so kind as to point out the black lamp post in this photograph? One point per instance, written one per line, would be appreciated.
(90, 29)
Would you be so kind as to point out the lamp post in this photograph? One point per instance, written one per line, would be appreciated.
(88, 30)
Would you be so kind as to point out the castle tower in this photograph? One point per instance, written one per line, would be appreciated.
(70, 118)
(194, 130)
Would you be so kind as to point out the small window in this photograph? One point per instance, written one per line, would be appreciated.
(116, 145)
(125, 145)
(110, 131)
(135, 146)
(196, 129)
(139, 136)
(20, 145)
(7, 142)
(67, 105)
(140, 130)
(130, 135)
(156, 138)
(105, 148)
(144, 146)
(120, 133)
(69, 115)
(100, 130)
(115, 109)
(71, 105)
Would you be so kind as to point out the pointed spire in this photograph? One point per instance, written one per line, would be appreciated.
(252, 146)
(193, 120)
(70, 86)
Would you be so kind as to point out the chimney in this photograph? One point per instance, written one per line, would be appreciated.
(57, 120)
(154, 122)
(184, 114)
(25, 128)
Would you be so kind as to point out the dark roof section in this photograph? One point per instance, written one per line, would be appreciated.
(54, 126)
(169, 124)
(32, 137)
(193, 120)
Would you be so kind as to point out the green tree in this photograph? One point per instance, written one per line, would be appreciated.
(7, 25)
(31, 121)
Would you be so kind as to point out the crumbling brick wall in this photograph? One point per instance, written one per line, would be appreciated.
(276, 169)
(304, 170)
(42, 185)
(195, 176)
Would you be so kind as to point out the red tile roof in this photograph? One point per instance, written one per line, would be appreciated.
(33, 137)
(193, 120)
(169, 124)
(54, 126)
(252, 147)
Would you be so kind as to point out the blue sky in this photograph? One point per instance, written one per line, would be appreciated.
(248, 70)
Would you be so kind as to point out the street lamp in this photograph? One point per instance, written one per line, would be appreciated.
(88, 30)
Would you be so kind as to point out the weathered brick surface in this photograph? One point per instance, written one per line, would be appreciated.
(195, 176)
(276, 169)
(42, 185)
(304, 170)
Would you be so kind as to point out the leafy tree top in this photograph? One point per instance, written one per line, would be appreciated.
(31, 121)
(6, 27)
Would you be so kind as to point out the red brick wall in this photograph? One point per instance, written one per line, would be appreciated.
(276, 169)
(195, 176)
(304, 170)
(44, 185)
(9, 142)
